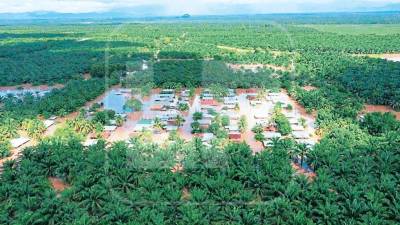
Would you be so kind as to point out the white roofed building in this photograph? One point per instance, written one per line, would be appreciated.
(301, 135)
(271, 135)
(18, 142)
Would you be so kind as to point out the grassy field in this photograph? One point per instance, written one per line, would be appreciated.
(358, 29)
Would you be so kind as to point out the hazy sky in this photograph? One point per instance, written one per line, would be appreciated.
(177, 7)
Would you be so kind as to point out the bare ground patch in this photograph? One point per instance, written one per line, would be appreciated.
(255, 67)
(395, 57)
(30, 86)
(58, 184)
(309, 88)
(234, 49)
(380, 108)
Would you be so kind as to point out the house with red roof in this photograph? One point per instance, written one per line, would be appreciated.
(209, 102)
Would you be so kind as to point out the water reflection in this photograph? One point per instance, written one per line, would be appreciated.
(115, 100)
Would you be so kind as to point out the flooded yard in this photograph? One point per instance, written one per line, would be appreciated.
(21, 90)
(115, 100)
(20, 93)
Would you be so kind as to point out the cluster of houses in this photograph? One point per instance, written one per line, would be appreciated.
(298, 124)
(226, 107)
(165, 100)
(165, 107)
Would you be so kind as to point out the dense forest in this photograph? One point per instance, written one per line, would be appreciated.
(357, 183)
(196, 73)
(56, 54)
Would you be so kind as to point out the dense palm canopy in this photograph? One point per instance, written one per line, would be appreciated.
(357, 182)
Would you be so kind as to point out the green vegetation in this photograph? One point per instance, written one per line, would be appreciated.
(380, 123)
(183, 107)
(59, 102)
(211, 178)
(358, 29)
(197, 116)
(282, 123)
(5, 149)
(22, 113)
(258, 133)
(375, 80)
(34, 127)
(356, 163)
(134, 104)
(243, 124)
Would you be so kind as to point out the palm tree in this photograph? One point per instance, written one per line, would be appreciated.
(262, 93)
(301, 150)
(35, 128)
(179, 121)
(158, 124)
(259, 137)
(8, 129)
(146, 136)
(119, 121)
(243, 124)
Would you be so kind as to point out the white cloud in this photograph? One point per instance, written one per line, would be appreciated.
(173, 7)
(63, 6)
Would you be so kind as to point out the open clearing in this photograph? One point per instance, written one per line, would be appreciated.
(256, 67)
(58, 184)
(380, 108)
(390, 57)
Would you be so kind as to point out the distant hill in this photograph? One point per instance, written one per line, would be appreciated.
(127, 16)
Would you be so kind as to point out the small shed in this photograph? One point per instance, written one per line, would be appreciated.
(274, 94)
(205, 122)
(261, 115)
(251, 91)
(308, 142)
(90, 142)
(268, 143)
(208, 116)
(263, 122)
(185, 93)
(143, 125)
(110, 128)
(209, 102)
(290, 114)
(230, 100)
(167, 91)
(271, 135)
(294, 121)
(232, 128)
(231, 115)
(207, 137)
(300, 134)
(171, 128)
(53, 118)
(49, 123)
(18, 142)
(157, 107)
(235, 135)
(297, 128)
